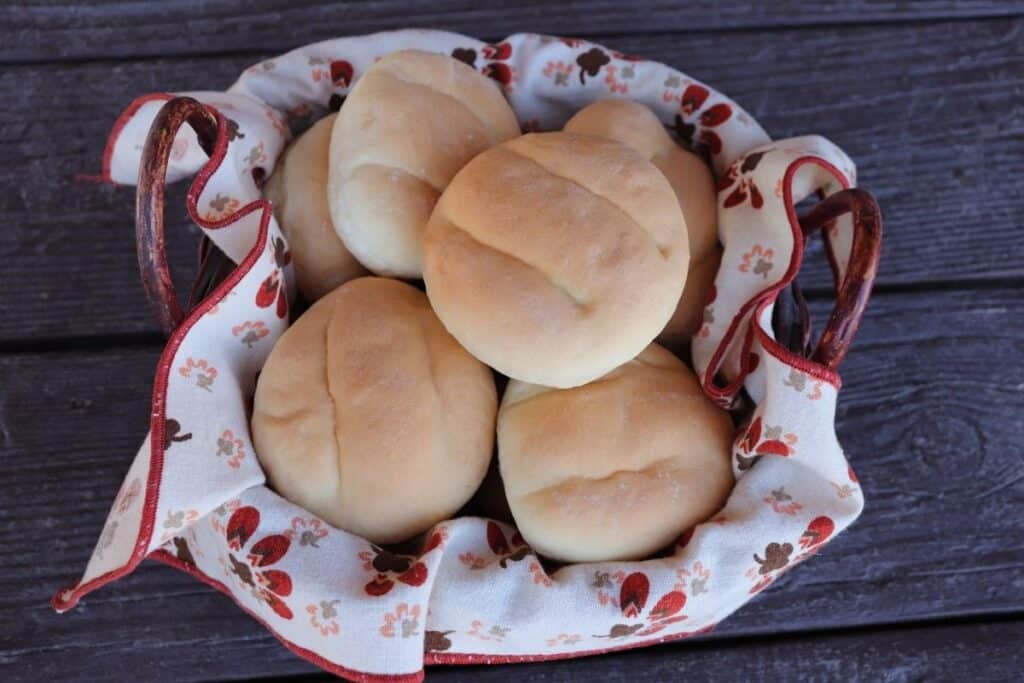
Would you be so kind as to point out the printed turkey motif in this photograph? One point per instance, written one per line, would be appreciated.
(268, 586)
(508, 550)
(273, 288)
(754, 444)
(437, 641)
(692, 102)
(391, 567)
(341, 73)
(740, 175)
(172, 433)
(495, 57)
(590, 62)
(818, 531)
(633, 598)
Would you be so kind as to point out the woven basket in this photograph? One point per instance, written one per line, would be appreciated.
(470, 591)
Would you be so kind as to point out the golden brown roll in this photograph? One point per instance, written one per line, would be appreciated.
(298, 191)
(615, 469)
(556, 257)
(633, 124)
(371, 416)
(410, 123)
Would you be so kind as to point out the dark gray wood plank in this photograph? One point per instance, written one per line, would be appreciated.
(57, 30)
(929, 416)
(984, 652)
(931, 112)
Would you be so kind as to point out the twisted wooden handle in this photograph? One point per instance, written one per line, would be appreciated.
(792, 320)
(149, 202)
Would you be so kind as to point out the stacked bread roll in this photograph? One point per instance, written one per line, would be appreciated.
(553, 258)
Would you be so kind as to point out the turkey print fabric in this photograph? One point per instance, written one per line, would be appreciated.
(195, 495)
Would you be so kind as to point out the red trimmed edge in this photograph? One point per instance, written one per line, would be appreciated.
(767, 295)
(456, 658)
(310, 656)
(68, 597)
(120, 123)
(430, 658)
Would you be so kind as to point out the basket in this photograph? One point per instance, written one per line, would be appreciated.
(471, 591)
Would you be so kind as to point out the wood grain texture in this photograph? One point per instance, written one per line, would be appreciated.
(53, 30)
(937, 129)
(929, 417)
(989, 652)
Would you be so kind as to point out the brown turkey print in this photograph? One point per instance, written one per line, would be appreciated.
(776, 556)
(233, 132)
(508, 550)
(172, 429)
(590, 62)
(182, 551)
(436, 641)
(391, 567)
(273, 287)
(466, 55)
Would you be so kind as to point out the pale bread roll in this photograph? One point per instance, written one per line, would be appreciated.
(410, 123)
(298, 192)
(555, 257)
(633, 124)
(616, 469)
(371, 416)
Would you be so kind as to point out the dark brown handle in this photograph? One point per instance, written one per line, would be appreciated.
(854, 289)
(149, 202)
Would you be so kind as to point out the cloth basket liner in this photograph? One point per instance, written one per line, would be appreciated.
(195, 495)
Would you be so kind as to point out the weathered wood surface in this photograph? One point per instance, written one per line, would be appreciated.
(929, 416)
(928, 98)
(938, 137)
(54, 30)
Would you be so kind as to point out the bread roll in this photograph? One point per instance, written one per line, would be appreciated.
(633, 124)
(616, 469)
(371, 416)
(410, 123)
(298, 192)
(556, 257)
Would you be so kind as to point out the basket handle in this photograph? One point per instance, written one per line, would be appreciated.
(149, 202)
(852, 293)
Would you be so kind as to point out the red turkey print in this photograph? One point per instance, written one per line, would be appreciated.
(268, 586)
(752, 446)
(391, 568)
(496, 68)
(692, 102)
(508, 549)
(819, 530)
(633, 598)
(273, 288)
(495, 57)
(738, 175)
(341, 73)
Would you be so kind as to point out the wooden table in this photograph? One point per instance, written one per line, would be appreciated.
(927, 97)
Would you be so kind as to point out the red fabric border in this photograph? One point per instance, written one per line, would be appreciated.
(767, 295)
(310, 656)
(120, 123)
(68, 597)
